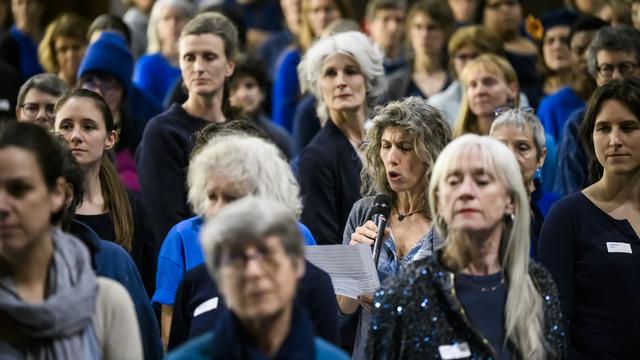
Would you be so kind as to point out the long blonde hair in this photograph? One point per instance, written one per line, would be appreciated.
(524, 322)
(467, 121)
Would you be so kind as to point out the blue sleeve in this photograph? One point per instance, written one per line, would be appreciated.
(550, 166)
(161, 171)
(145, 77)
(546, 115)
(286, 90)
(306, 123)
(171, 268)
(557, 248)
(116, 264)
(572, 174)
(306, 233)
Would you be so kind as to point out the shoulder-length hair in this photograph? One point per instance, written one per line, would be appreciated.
(467, 121)
(306, 35)
(627, 92)
(251, 161)
(116, 199)
(427, 130)
(524, 322)
(153, 41)
(66, 25)
(357, 46)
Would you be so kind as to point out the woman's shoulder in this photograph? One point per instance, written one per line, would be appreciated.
(570, 205)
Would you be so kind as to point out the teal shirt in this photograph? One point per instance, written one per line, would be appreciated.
(201, 347)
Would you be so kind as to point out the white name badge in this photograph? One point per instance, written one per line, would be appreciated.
(618, 247)
(208, 305)
(455, 351)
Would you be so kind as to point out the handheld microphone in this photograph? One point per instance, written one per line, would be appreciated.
(381, 212)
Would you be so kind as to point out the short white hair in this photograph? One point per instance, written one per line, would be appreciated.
(153, 41)
(357, 46)
(252, 161)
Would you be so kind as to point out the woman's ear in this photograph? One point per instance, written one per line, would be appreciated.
(514, 91)
(543, 155)
(111, 141)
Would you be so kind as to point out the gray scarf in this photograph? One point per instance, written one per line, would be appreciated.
(61, 327)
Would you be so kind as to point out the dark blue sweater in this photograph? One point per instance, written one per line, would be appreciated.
(595, 262)
(111, 261)
(329, 175)
(162, 157)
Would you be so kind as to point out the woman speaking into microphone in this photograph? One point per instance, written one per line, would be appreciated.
(401, 147)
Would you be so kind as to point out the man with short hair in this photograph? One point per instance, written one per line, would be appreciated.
(614, 53)
(206, 46)
(37, 98)
(385, 24)
(254, 251)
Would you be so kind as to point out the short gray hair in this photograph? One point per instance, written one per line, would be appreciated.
(47, 83)
(521, 120)
(619, 38)
(250, 220)
(255, 162)
(355, 45)
(214, 24)
(153, 41)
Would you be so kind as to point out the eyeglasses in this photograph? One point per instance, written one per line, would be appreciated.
(523, 110)
(32, 109)
(104, 82)
(466, 57)
(624, 68)
(239, 259)
(496, 5)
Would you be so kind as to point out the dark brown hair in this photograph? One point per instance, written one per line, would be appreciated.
(627, 92)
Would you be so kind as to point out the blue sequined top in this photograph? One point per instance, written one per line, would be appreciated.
(417, 315)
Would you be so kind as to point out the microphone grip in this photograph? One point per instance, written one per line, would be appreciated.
(381, 223)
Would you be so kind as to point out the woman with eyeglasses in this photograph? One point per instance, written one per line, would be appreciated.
(490, 83)
(107, 69)
(505, 18)
(429, 24)
(524, 135)
(590, 240)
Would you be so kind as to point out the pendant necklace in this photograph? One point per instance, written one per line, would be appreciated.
(402, 216)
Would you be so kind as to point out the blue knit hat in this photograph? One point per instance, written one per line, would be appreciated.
(109, 54)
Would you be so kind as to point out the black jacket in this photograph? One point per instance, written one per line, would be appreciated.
(418, 312)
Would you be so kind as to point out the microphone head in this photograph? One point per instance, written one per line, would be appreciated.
(382, 205)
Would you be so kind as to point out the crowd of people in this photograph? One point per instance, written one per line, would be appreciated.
(161, 174)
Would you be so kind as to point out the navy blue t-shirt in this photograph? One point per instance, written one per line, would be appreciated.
(595, 261)
(483, 299)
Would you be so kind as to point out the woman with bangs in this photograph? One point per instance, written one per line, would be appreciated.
(403, 143)
(479, 295)
(489, 83)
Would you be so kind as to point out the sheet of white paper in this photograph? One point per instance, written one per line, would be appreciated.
(350, 267)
